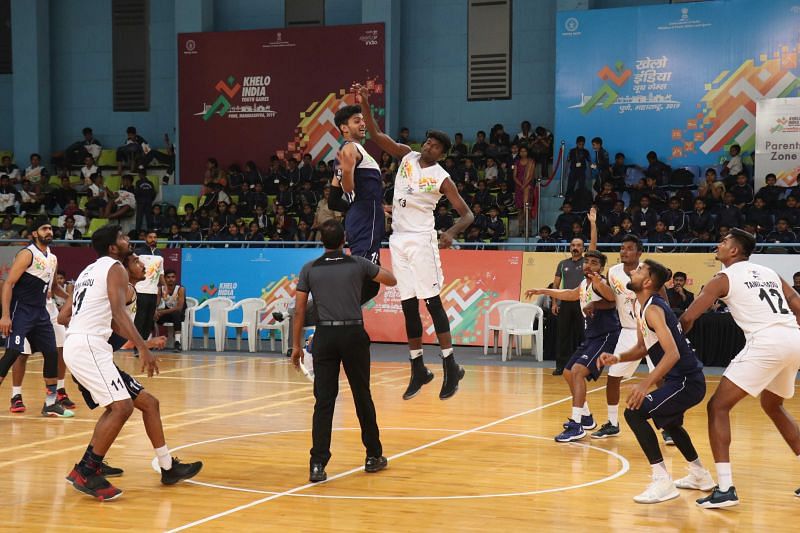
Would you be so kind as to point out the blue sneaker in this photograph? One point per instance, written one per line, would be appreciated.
(574, 431)
(667, 438)
(588, 422)
(719, 499)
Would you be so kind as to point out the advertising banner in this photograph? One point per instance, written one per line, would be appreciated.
(679, 79)
(247, 95)
(472, 283)
(778, 140)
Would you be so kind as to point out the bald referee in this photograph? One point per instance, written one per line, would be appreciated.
(336, 280)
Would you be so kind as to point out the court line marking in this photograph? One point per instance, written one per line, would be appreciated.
(625, 466)
(361, 468)
(43, 455)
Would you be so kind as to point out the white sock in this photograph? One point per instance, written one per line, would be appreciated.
(447, 352)
(164, 458)
(586, 411)
(613, 414)
(724, 476)
(660, 471)
(177, 337)
(16, 390)
(60, 384)
(576, 414)
(415, 353)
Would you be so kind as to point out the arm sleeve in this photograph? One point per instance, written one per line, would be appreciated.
(303, 284)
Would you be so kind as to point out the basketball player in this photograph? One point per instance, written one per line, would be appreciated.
(357, 188)
(630, 252)
(25, 316)
(661, 337)
(419, 185)
(172, 470)
(173, 305)
(98, 299)
(600, 335)
(767, 309)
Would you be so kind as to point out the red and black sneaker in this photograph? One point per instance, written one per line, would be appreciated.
(105, 470)
(63, 399)
(72, 476)
(16, 404)
(96, 486)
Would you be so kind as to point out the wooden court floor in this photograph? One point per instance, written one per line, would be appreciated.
(482, 461)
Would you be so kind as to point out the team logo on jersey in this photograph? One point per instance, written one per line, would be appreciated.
(754, 274)
(427, 184)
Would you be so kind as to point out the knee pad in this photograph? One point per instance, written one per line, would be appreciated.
(412, 317)
(439, 316)
(50, 370)
(10, 357)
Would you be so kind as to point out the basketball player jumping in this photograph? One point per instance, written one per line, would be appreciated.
(767, 309)
(419, 185)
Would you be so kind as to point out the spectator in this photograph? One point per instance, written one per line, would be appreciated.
(285, 226)
(782, 234)
(77, 152)
(659, 170)
(10, 169)
(285, 197)
(710, 179)
(474, 235)
(211, 201)
(121, 204)
(565, 220)
(254, 235)
(307, 172)
(215, 234)
(742, 192)
(231, 215)
(78, 216)
(505, 200)
(252, 175)
(619, 172)
(483, 196)
(770, 192)
(492, 173)
(658, 196)
(9, 196)
(674, 218)
(722, 232)
(194, 233)
(88, 169)
(98, 196)
(175, 238)
(324, 176)
(306, 196)
(733, 167)
(791, 212)
(480, 146)
(234, 235)
(307, 215)
(304, 234)
(600, 165)
(255, 197)
(700, 219)
(459, 149)
(403, 136)
(7, 231)
(661, 236)
(523, 186)
(545, 237)
(616, 215)
(525, 135)
(156, 216)
(796, 282)
(452, 169)
(188, 217)
(500, 138)
(760, 216)
(443, 220)
(679, 296)
(577, 232)
(578, 161)
(481, 221)
(144, 193)
(728, 214)
(645, 218)
(132, 151)
(36, 173)
(606, 199)
(274, 176)
(236, 183)
(495, 228)
(263, 221)
(469, 171)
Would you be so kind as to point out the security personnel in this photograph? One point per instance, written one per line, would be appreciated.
(335, 281)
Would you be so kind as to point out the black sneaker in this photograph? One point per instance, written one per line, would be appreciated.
(420, 375)
(178, 346)
(278, 316)
(57, 411)
(719, 499)
(317, 473)
(107, 470)
(375, 464)
(606, 430)
(667, 438)
(558, 371)
(136, 352)
(179, 471)
(63, 399)
(453, 373)
(797, 493)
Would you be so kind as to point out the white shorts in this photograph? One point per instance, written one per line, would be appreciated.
(90, 359)
(769, 360)
(416, 264)
(60, 332)
(627, 340)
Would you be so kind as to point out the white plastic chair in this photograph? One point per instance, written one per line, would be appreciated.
(272, 326)
(518, 322)
(217, 308)
(251, 310)
(494, 329)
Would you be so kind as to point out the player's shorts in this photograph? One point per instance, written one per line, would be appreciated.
(131, 385)
(667, 404)
(33, 324)
(90, 359)
(627, 340)
(364, 227)
(416, 264)
(769, 360)
(589, 351)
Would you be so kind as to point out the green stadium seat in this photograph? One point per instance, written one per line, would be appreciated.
(156, 181)
(55, 181)
(415, 146)
(235, 199)
(162, 243)
(75, 180)
(95, 225)
(18, 221)
(247, 220)
(186, 199)
(54, 222)
(8, 153)
(82, 201)
(108, 158)
(113, 182)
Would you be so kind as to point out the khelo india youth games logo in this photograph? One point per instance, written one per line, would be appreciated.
(251, 94)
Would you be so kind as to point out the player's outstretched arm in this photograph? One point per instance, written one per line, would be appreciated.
(21, 263)
(465, 216)
(592, 216)
(568, 295)
(601, 287)
(384, 142)
(792, 299)
(713, 291)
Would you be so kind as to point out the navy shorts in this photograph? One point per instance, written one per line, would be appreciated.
(32, 323)
(364, 226)
(667, 404)
(589, 351)
(131, 385)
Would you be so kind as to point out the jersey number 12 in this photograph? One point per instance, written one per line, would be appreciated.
(763, 295)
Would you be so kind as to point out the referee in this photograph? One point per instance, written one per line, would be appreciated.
(335, 281)
(569, 274)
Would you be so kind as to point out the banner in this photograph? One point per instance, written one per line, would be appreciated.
(778, 140)
(247, 95)
(681, 79)
(473, 281)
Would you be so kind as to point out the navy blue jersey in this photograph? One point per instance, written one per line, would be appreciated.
(31, 287)
(688, 363)
(602, 321)
(367, 178)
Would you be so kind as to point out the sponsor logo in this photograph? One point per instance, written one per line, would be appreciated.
(236, 100)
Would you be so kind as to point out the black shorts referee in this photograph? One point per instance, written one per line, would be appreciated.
(335, 281)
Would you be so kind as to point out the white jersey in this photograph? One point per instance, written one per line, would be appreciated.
(91, 308)
(169, 300)
(755, 298)
(153, 270)
(131, 305)
(416, 193)
(618, 280)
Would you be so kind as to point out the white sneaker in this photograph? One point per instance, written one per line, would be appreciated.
(697, 480)
(659, 490)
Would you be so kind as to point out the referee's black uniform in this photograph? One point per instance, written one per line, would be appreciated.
(335, 280)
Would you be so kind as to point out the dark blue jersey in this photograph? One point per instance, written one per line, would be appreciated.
(602, 321)
(367, 178)
(688, 363)
(31, 288)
